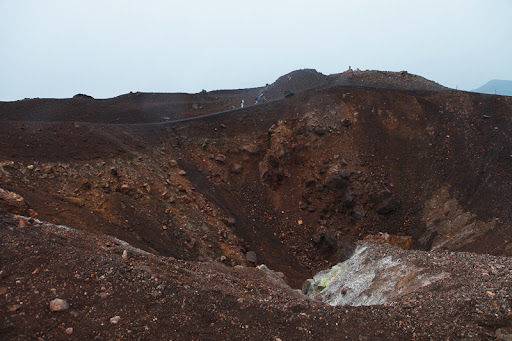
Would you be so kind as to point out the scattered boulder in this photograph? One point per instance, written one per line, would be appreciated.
(251, 257)
(319, 130)
(348, 199)
(386, 203)
(166, 194)
(127, 254)
(230, 221)
(221, 158)
(13, 203)
(277, 276)
(324, 239)
(251, 149)
(115, 319)
(288, 93)
(345, 174)
(336, 180)
(508, 251)
(307, 286)
(58, 305)
(270, 172)
(346, 122)
(237, 168)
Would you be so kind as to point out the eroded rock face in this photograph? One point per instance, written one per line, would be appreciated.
(13, 203)
(452, 226)
(369, 278)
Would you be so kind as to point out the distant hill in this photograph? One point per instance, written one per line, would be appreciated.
(496, 86)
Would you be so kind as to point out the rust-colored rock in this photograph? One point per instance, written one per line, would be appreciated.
(403, 242)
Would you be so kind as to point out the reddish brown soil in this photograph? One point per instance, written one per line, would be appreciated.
(295, 180)
(165, 298)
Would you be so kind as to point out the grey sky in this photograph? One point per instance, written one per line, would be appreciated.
(106, 48)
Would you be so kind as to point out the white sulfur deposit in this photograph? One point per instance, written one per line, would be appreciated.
(367, 278)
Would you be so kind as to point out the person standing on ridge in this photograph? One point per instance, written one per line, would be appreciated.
(256, 100)
(242, 104)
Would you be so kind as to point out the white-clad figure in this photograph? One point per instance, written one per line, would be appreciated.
(242, 104)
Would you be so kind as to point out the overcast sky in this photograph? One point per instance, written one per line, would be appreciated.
(110, 47)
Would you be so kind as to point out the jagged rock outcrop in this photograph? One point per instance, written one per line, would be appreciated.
(369, 278)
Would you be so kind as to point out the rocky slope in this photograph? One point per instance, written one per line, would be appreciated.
(110, 290)
(291, 183)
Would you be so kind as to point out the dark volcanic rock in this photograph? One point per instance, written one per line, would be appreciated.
(251, 257)
(386, 203)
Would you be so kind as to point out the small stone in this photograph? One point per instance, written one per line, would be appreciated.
(14, 307)
(173, 163)
(307, 285)
(30, 167)
(346, 122)
(3, 290)
(359, 212)
(237, 168)
(115, 319)
(58, 305)
(182, 172)
(220, 158)
(69, 330)
(230, 221)
(251, 149)
(387, 203)
(166, 194)
(127, 254)
(345, 174)
(251, 257)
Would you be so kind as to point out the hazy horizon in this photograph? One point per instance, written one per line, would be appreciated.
(56, 49)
